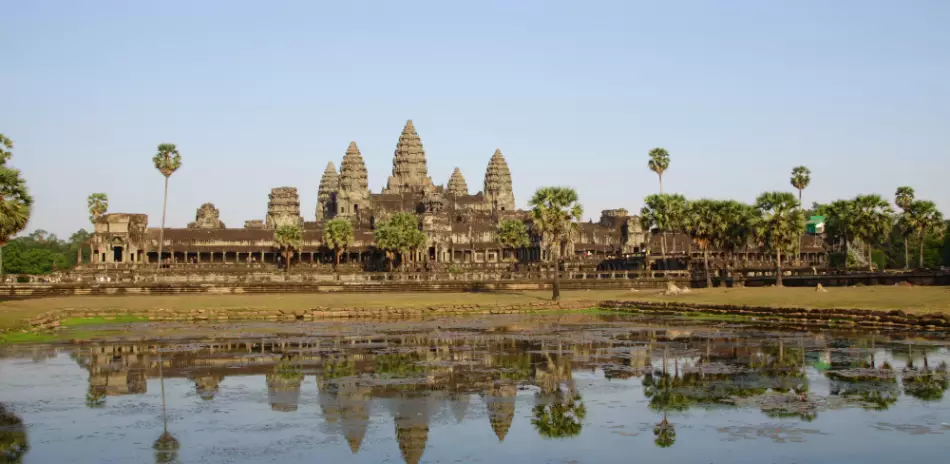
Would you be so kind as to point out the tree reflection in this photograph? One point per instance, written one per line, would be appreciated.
(166, 447)
(13, 441)
(95, 397)
(562, 417)
(664, 434)
(926, 384)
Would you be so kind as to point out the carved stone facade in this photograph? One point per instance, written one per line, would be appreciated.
(283, 208)
(460, 227)
(207, 217)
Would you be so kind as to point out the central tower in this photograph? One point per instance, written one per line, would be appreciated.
(410, 174)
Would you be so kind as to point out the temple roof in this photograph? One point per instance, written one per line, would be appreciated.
(457, 185)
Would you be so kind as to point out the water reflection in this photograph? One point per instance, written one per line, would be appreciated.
(13, 442)
(519, 373)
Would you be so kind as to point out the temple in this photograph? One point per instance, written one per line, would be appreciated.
(460, 226)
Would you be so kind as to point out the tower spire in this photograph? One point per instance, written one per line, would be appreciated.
(410, 173)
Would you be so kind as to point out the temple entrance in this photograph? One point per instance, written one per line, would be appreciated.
(117, 252)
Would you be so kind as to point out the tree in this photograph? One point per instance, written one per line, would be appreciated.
(338, 234)
(839, 222)
(555, 212)
(400, 234)
(98, 204)
(872, 220)
(665, 213)
(801, 177)
(16, 204)
(659, 163)
(706, 225)
(512, 234)
(780, 224)
(903, 197)
(925, 219)
(288, 238)
(739, 221)
(167, 161)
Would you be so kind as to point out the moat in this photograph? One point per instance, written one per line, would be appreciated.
(573, 387)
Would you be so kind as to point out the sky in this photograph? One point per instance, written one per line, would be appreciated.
(258, 95)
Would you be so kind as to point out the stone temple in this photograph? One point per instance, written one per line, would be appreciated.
(460, 226)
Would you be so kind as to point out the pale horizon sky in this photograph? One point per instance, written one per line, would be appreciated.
(259, 95)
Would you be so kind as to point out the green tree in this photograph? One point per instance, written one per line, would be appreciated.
(839, 222)
(167, 161)
(16, 204)
(555, 212)
(706, 225)
(801, 177)
(872, 220)
(903, 197)
(925, 220)
(780, 225)
(338, 234)
(666, 213)
(98, 204)
(14, 444)
(739, 220)
(659, 163)
(512, 234)
(400, 234)
(288, 238)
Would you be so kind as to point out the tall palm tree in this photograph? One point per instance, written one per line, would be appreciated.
(98, 204)
(903, 197)
(167, 161)
(16, 204)
(801, 177)
(780, 225)
(706, 225)
(872, 220)
(664, 212)
(925, 219)
(659, 163)
(338, 235)
(555, 212)
(289, 238)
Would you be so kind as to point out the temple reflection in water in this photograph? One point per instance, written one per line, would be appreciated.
(528, 371)
(414, 376)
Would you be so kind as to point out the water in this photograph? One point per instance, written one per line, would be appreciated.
(558, 388)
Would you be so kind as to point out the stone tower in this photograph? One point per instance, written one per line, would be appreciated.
(498, 191)
(456, 185)
(283, 208)
(353, 193)
(326, 195)
(409, 165)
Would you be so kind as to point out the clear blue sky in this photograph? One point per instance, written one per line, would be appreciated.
(263, 94)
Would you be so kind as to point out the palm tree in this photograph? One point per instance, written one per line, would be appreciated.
(801, 177)
(664, 213)
(338, 234)
(98, 204)
(739, 220)
(659, 163)
(512, 234)
(705, 225)
(5, 146)
(167, 161)
(555, 212)
(780, 225)
(16, 204)
(925, 219)
(903, 197)
(872, 220)
(839, 222)
(288, 238)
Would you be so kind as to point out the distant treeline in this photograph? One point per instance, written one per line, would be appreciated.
(42, 252)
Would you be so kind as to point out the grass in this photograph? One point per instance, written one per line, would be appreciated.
(884, 298)
(14, 311)
(87, 321)
(910, 299)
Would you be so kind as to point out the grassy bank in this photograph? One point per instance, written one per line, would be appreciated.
(885, 298)
(12, 312)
